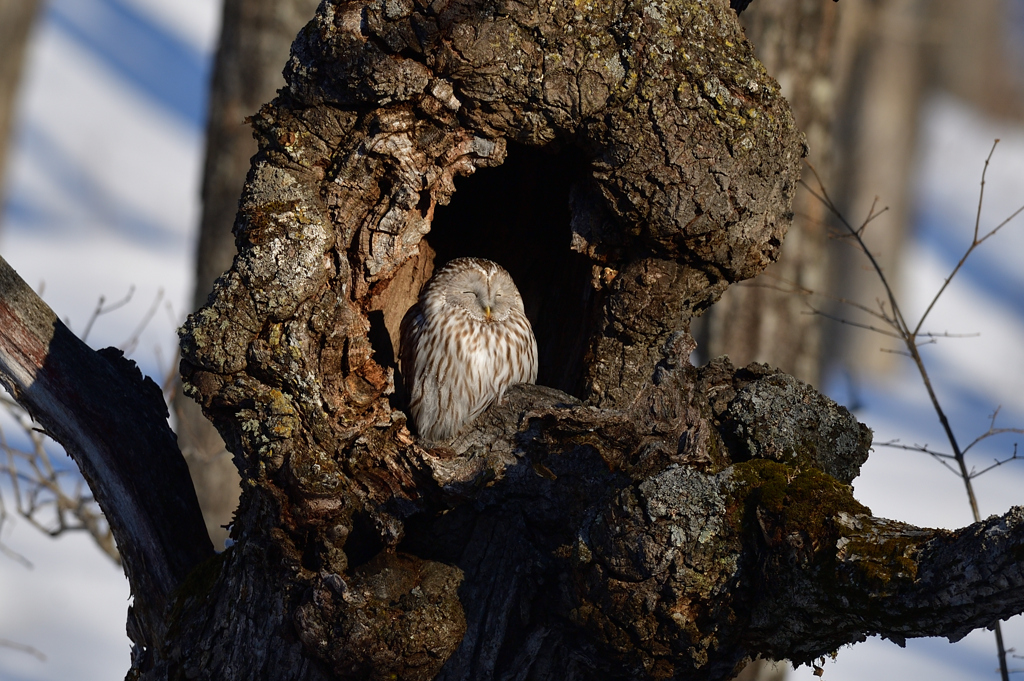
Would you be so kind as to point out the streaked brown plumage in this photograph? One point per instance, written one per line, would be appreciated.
(463, 343)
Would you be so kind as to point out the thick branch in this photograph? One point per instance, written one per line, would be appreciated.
(680, 567)
(895, 580)
(113, 422)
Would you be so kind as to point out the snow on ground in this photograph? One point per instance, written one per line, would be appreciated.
(71, 606)
(103, 195)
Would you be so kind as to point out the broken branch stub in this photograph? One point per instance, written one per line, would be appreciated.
(112, 421)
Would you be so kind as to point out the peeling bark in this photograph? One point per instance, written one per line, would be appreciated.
(635, 517)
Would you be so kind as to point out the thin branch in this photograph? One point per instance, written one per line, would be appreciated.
(14, 645)
(133, 340)
(102, 310)
(941, 457)
(880, 313)
(925, 449)
(40, 496)
(975, 242)
(981, 192)
(112, 421)
(857, 235)
(910, 338)
(947, 334)
(55, 501)
(171, 377)
(993, 431)
(997, 463)
(847, 322)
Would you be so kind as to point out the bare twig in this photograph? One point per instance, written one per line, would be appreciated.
(947, 334)
(941, 457)
(858, 325)
(992, 431)
(911, 337)
(14, 645)
(100, 408)
(171, 377)
(997, 463)
(975, 242)
(133, 340)
(925, 449)
(51, 499)
(102, 309)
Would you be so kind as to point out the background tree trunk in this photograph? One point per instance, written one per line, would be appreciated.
(880, 105)
(897, 54)
(969, 53)
(255, 38)
(857, 76)
(766, 319)
(16, 19)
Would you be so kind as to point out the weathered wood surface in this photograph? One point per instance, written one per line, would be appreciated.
(255, 40)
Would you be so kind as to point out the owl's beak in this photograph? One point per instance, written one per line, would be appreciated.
(487, 312)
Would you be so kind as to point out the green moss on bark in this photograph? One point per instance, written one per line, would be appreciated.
(792, 507)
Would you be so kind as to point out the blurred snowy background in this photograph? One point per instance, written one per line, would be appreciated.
(102, 197)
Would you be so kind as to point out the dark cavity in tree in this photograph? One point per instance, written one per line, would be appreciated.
(519, 216)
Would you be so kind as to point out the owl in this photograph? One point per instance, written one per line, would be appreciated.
(463, 343)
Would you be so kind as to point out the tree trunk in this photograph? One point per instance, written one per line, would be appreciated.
(895, 53)
(113, 422)
(877, 136)
(16, 18)
(254, 42)
(635, 517)
(969, 52)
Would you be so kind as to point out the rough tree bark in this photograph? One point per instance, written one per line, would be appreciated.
(255, 37)
(633, 517)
